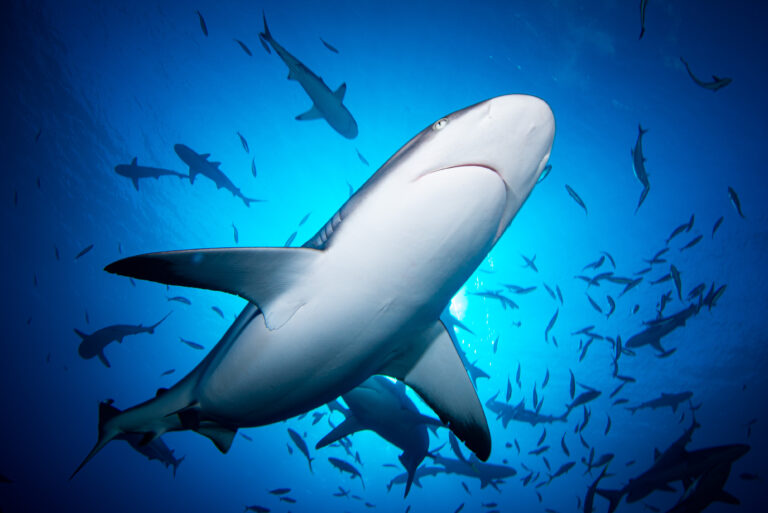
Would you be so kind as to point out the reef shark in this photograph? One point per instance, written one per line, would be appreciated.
(200, 165)
(326, 104)
(364, 295)
(135, 172)
(383, 407)
(94, 344)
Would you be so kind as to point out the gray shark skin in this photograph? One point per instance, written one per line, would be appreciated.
(326, 104)
(716, 84)
(421, 472)
(364, 295)
(136, 172)
(670, 400)
(507, 413)
(200, 165)
(705, 490)
(154, 450)
(675, 464)
(381, 406)
(94, 344)
(660, 328)
(488, 473)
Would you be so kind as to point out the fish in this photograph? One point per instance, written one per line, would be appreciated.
(549, 290)
(290, 239)
(343, 467)
(594, 305)
(344, 326)
(620, 401)
(84, 251)
(193, 345)
(735, 202)
(692, 243)
(329, 46)
(360, 156)
(717, 225)
(135, 172)
(551, 324)
(326, 104)
(200, 165)
(542, 438)
(244, 47)
(564, 468)
(466, 488)
(573, 384)
(517, 376)
(559, 293)
(243, 142)
(676, 277)
(608, 424)
(234, 233)
(289, 500)
(509, 389)
(540, 450)
(531, 262)
(595, 265)
(246, 437)
(677, 231)
(168, 372)
(643, 7)
(304, 219)
(203, 26)
(611, 304)
(583, 398)
(257, 509)
(253, 168)
(93, 344)
(280, 491)
(545, 173)
(218, 311)
(180, 299)
(670, 400)
(546, 380)
(264, 44)
(461, 506)
(564, 447)
(715, 85)
(576, 197)
(638, 164)
(302, 446)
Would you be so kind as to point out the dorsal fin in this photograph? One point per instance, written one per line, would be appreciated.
(341, 91)
(133, 162)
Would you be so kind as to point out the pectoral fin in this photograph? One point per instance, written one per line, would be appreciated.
(260, 275)
(439, 377)
(312, 113)
(346, 428)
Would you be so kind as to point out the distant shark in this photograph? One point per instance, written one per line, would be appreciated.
(714, 86)
(326, 104)
(200, 165)
(364, 295)
(488, 473)
(670, 400)
(94, 344)
(383, 407)
(135, 172)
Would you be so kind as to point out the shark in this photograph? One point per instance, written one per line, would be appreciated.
(507, 413)
(660, 328)
(381, 406)
(716, 84)
(705, 490)
(200, 165)
(94, 344)
(326, 104)
(421, 472)
(670, 400)
(363, 296)
(135, 172)
(638, 164)
(488, 473)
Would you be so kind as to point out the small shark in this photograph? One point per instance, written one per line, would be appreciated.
(638, 164)
(94, 344)
(383, 407)
(716, 84)
(326, 104)
(364, 295)
(200, 165)
(660, 328)
(488, 473)
(136, 172)
(507, 413)
(670, 400)
(421, 472)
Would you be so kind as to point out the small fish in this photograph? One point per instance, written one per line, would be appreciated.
(622, 400)
(564, 447)
(329, 46)
(517, 376)
(234, 229)
(595, 265)
(280, 491)
(594, 305)
(290, 239)
(612, 305)
(37, 182)
(193, 345)
(691, 244)
(676, 277)
(509, 389)
(461, 506)
(264, 44)
(257, 509)
(539, 451)
(203, 26)
(56, 253)
(735, 201)
(608, 426)
(748, 476)
(546, 380)
(531, 262)
(466, 488)
(559, 294)
(180, 299)
(551, 324)
(243, 142)
(576, 197)
(218, 311)
(362, 159)
(544, 173)
(549, 290)
(253, 168)
(573, 384)
(302, 446)
(289, 500)
(304, 219)
(119, 248)
(535, 397)
(517, 446)
(717, 225)
(133, 283)
(168, 372)
(245, 48)
(290, 449)
(542, 438)
(84, 251)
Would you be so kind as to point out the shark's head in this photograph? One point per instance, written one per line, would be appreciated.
(510, 135)
(186, 153)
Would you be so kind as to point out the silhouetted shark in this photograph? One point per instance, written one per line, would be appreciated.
(506, 413)
(488, 473)
(135, 172)
(659, 328)
(671, 400)
(94, 344)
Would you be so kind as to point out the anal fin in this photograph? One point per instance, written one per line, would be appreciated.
(221, 436)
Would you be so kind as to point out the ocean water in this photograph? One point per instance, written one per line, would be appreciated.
(88, 86)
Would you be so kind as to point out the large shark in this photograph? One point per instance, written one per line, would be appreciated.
(326, 104)
(383, 407)
(136, 172)
(200, 165)
(364, 295)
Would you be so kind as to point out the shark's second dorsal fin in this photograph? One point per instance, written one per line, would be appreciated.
(260, 275)
(433, 369)
(134, 161)
(340, 92)
(311, 114)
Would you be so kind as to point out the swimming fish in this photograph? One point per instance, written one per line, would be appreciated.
(203, 26)
(576, 197)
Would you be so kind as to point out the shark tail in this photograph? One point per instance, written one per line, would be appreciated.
(613, 496)
(106, 413)
(152, 328)
(176, 464)
(248, 201)
(266, 34)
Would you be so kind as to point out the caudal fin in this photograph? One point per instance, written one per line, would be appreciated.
(613, 496)
(106, 413)
(176, 464)
(152, 328)
(248, 201)
(266, 33)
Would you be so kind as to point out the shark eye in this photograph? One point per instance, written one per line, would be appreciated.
(440, 124)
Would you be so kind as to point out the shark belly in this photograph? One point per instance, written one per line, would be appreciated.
(392, 268)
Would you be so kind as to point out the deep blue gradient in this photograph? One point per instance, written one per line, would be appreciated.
(89, 85)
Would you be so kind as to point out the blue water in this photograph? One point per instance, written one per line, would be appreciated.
(90, 85)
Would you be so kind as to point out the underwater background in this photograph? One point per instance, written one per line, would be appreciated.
(88, 86)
